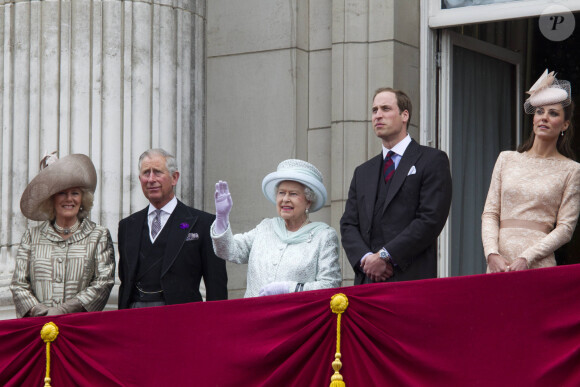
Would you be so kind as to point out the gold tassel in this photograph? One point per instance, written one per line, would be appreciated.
(48, 333)
(338, 304)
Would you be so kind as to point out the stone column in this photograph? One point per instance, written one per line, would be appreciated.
(107, 78)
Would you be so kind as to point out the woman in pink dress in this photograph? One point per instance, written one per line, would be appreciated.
(534, 196)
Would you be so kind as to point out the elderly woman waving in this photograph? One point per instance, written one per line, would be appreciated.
(67, 263)
(288, 253)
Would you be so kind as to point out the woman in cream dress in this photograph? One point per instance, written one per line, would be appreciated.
(534, 197)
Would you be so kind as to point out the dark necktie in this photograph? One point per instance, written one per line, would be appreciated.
(156, 225)
(389, 167)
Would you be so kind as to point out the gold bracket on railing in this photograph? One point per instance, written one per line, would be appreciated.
(338, 304)
(48, 333)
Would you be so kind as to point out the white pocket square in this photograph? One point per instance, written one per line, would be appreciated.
(412, 171)
(192, 236)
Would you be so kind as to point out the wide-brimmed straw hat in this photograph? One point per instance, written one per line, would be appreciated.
(547, 91)
(300, 171)
(75, 170)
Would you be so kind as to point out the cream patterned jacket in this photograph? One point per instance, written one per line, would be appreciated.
(51, 270)
(314, 262)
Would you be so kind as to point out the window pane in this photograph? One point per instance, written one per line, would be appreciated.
(446, 4)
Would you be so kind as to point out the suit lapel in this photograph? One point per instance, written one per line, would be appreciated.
(134, 231)
(371, 177)
(180, 224)
(411, 155)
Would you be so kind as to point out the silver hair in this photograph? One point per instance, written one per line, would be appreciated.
(170, 161)
(309, 194)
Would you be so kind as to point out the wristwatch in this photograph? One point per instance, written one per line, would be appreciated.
(384, 255)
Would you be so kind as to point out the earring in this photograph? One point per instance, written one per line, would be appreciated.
(307, 211)
(562, 133)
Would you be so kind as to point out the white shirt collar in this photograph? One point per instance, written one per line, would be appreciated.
(400, 148)
(168, 208)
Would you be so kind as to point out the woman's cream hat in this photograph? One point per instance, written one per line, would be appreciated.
(75, 170)
(547, 91)
(300, 171)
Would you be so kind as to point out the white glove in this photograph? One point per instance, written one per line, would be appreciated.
(223, 206)
(274, 288)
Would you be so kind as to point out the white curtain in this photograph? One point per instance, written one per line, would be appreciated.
(483, 124)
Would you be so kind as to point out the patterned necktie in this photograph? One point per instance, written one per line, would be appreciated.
(389, 168)
(156, 225)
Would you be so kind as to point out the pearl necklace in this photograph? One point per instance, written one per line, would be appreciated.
(66, 231)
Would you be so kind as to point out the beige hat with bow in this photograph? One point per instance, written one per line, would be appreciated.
(76, 170)
(546, 91)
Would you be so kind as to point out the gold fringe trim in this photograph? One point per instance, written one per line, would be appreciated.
(48, 333)
(338, 304)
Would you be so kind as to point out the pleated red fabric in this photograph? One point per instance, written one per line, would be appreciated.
(485, 330)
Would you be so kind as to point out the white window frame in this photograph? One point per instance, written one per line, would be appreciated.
(438, 17)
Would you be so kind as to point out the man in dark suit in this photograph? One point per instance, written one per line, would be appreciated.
(166, 248)
(398, 201)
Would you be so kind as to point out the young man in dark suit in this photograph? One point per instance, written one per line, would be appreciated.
(398, 201)
(165, 249)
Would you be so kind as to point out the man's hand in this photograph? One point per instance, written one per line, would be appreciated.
(377, 269)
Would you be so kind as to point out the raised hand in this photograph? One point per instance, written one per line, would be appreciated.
(223, 206)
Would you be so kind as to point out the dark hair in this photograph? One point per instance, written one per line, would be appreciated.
(403, 100)
(564, 143)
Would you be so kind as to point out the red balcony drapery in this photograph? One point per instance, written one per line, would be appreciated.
(485, 330)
